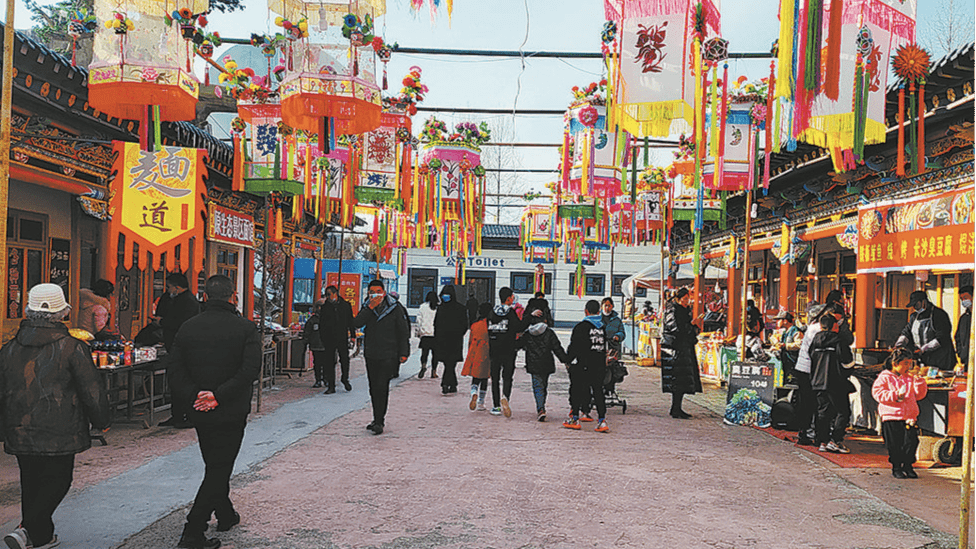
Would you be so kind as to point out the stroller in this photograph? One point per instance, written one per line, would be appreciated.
(616, 372)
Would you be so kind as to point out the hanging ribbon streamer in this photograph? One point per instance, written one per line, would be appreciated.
(832, 68)
(900, 165)
(811, 72)
(770, 129)
(787, 35)
(921, 127)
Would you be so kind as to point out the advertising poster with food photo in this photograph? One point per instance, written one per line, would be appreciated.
(932, 232)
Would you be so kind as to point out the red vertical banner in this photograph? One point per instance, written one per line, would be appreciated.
(349, 289)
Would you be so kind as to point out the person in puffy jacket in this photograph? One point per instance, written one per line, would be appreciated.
(310, 334)
(450, 325)
(540, 344)
(504, 324)
(477, 363)
(51, 396)
(679, 372)
(94, 308)
(588, 352)
(425, 331)
(897, 391)
(828, 379)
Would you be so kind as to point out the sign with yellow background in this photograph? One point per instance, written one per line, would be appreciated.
(158, 203)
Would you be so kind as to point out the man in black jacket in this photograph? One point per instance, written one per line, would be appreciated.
(50, 398)
(310, 333)
(335, 326)
(387, 345)
(588, 350)
(176, 307)
(504, 325)
(828, 379)
(928, 333)
(215, 360)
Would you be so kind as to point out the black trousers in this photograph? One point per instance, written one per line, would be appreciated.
(219, 445)
(502, 370)
(449, 377)
(44, 481)
(806, 404)
(318, 364)
(586, 383)
(426, 350)
(833, 414)
(340, 348)
(379, 373)
(901, 442)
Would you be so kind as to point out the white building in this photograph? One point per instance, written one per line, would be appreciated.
(500, 264)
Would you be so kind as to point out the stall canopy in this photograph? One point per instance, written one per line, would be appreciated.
(648, 277)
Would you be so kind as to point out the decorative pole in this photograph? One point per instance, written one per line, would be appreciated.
(5, 105)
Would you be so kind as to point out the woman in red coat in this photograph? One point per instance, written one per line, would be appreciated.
(478, 364)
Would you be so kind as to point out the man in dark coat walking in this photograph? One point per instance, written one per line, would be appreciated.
(176, 307)
(504, 325)
(588, 350)
(450, 325)
(387, 345)
(215, 360)
(310, 333)
(335, 330)
(50, 398)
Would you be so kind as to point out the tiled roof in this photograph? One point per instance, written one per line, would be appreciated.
(500, 231)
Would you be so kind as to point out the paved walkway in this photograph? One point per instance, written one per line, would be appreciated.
(311, 476)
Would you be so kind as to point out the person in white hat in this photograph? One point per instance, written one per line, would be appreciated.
(51, 396)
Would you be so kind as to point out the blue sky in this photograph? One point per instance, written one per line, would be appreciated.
(503, 83)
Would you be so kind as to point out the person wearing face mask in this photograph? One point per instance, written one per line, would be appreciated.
(928, 333)
(679, 375)
(335, 328)
(450, 325)
(965, 325)
(387, 345)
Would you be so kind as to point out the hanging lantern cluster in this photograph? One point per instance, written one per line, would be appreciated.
(144, 69)
(82, 23)
(832, 72)
(329, 82)
(731, 145)
(650, 210)
(652, 52)
(591, 165)
(539, 235)
(449, 189)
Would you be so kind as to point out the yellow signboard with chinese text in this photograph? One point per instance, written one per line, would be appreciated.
(158, 203)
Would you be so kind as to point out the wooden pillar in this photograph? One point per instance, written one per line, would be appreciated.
(734, 286)
(247, 305)
(865, 328)
(787, 286)
(317, 291)
(289, 291)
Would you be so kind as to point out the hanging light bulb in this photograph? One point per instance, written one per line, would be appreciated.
(811, 267)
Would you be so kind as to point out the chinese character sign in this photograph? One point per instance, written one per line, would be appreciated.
(935, 232)
(157, 203)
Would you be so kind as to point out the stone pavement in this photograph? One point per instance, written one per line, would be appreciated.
(311, 476)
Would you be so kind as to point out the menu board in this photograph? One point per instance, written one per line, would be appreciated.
(751, 394)
(60, 272)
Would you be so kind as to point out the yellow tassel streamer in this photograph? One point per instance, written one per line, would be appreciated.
(784, 76)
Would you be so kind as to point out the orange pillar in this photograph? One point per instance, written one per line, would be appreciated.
(248, 297)
(734, 288)
(317, 285)
(787, 286)
(289, 291)
(865, 327)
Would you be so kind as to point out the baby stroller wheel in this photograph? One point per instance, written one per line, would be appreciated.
(623, 407)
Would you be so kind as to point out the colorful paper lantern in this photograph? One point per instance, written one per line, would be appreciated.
(730, 171)
(539, 235)
(593, 168)
(652, 62)
(329, 82)
(142, 59)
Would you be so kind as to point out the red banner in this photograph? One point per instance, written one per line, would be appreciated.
(230, 227)
(922, 233)
(348, 290)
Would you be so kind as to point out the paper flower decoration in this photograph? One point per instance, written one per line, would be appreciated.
(911, 63)
(120, 22)
(293, 30)
(588, 116)
(715, 50)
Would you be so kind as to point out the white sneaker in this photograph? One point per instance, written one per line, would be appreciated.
(51, 544)
(496, 411)
(482, 406)
(17, 539)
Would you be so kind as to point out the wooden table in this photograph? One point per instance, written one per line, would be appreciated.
(150, 369)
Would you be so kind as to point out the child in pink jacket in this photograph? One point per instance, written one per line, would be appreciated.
(898, 390)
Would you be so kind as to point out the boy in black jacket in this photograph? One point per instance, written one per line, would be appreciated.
(828, 378)
(588, 348)
(540, 343)
(504, 325)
